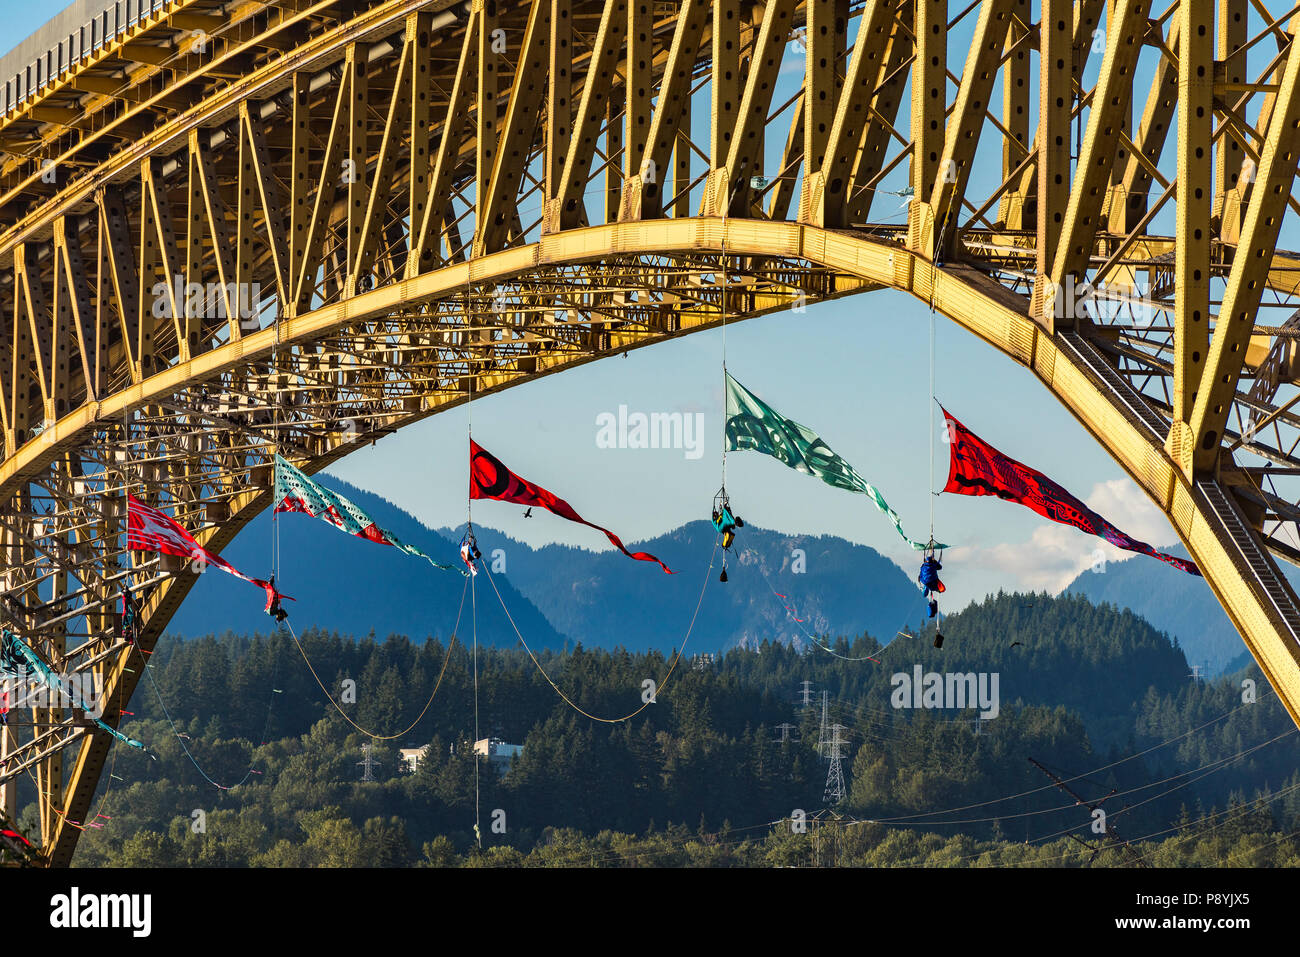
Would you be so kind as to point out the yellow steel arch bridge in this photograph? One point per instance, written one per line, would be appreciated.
(231, 227)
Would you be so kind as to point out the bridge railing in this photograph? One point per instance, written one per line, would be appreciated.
(80, 45)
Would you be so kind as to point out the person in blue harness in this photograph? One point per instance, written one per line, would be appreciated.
(726, 522)
(928, 578)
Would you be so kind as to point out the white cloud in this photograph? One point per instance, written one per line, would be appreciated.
(1057, 554)
(1126, 507)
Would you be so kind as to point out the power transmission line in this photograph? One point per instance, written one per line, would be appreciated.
(368, 762)
(835, 790)
(806, 691)
(1094, 807)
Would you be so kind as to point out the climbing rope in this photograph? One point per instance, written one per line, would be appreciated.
(677, 655)
(423, 711)
(181, 740)
(812, 637)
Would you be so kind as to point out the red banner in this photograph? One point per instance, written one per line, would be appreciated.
(149, 530)
(977, 468)
(489, 478)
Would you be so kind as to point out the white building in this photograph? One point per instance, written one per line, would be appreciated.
(498, 752)
(411, 757)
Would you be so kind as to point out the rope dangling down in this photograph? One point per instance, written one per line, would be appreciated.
(181, 740)
(799, 623)
(677, 655)
(337, 707)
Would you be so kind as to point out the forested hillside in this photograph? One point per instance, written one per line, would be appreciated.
(717, 768)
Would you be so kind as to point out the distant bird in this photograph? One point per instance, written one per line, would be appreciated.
(529, 513)
(1014, 643)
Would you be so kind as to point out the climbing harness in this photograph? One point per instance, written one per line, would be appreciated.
(469, 553)
(726, 523)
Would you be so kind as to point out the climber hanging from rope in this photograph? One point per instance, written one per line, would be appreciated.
(726, 522)
(928, 578)
(128, 618)
(469, 552)
(273, 607)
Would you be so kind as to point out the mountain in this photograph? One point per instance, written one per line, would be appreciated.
(1173, 601)
(343, 584)
(605, 599)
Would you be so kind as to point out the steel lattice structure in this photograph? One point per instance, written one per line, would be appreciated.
(390, 206)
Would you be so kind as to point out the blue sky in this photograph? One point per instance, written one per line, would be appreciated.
(855, 370)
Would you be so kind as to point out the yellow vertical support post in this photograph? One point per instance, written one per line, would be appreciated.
(615, 151)
(1055, 101)
(1111, 101)
(570, 210)
(962, 132)
(1231, 152)
(559, 105)
(929, 105)
(191, 320)
(1116, 199)
(70, 281)
(1245, 287)
(761, 70)
(21, 381)
(725, 94)
(650, 180)
(245, 194)
(355, 174)
(492, 44)
(374, 225)
(877, 132)
(421, 118)
(426, 250)
(682, 163)
(1015, 111)
(153, 270)
(826, 198)
(824, 46)
(60, 315)
(1152, 134)
(214, 209)
(640, 87)
(300, 188)
(1192, 236)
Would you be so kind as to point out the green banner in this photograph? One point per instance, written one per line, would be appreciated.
(753, 425)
